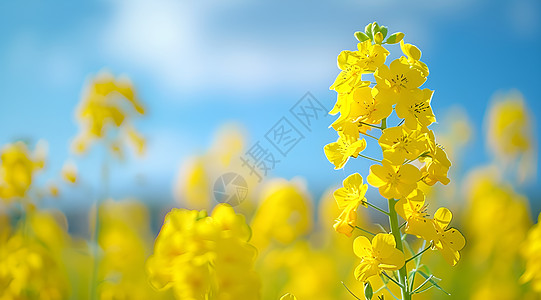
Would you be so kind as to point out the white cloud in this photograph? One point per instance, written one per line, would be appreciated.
(171, 41)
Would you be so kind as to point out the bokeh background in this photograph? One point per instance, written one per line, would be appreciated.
(199, 65)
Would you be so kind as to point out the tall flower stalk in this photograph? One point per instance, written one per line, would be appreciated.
(411, 158)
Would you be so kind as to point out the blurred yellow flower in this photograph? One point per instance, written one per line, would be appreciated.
(377, 256)
(31, 265)
(199, 256)
(348, 198)
(531, 251)
(394, 181)
(108, 103)
(509, 133)
(69, 172)
(17, 169)
(283, 216)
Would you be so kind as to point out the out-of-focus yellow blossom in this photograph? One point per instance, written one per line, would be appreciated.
(69, 172)
(531, 251)
(194, 187)
(450, 241)
(53, 189)
(413, 57)
(509, 133)
(394, 181)
(401, 143)
(283, 215)
(302, 269)
(203, 256)
(348, 198)
(416, 109)
(436, 166)
(377, 256)
(492, 201)
(396, 82)
(348, 145)
(414, 211)
(31, 264)
(17, 169)
(108, 103)
(124, 238)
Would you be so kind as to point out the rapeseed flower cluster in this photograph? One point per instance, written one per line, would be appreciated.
(202, 257)
(411, 156)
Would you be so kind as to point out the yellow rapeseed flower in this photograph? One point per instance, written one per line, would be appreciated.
(450, 241)
(348, 198)
(377, 256)
(17, 170)
(397, 81)
(348, 145)
(394, 181)
(436, 167)
(414, 211)
(413, 57)
(401, 143)
(416, 110)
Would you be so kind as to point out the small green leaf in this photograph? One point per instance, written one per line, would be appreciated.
(368, 292)
(368, 31)
(361, 36)
(395, 38)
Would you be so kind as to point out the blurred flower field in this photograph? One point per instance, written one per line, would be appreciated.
(437, 235)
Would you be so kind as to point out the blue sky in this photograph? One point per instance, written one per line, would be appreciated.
(198, 65)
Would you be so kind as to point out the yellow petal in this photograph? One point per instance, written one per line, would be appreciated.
(383, 245)
(362, 247)
(443, 217)
(454, 238)
(394, 261)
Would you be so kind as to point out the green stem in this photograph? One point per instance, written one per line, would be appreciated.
(410, 160)
(370, 158)
(377, 208)
(350, 291)
(364, 230)
(371, 125)
(97, 227)
(420, 253)
(370, 136)
(392, 279)
(403, 272)
(384, 124)
(423, 284)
